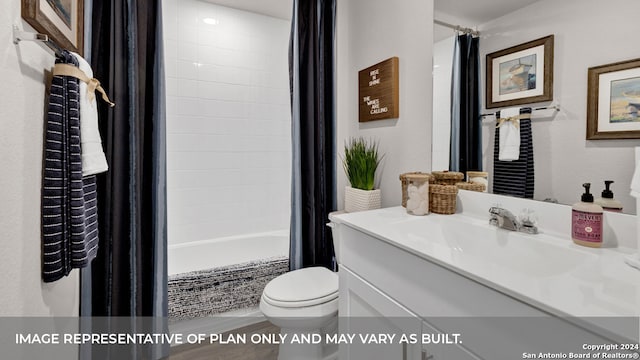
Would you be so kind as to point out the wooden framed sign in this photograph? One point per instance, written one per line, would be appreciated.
(378, 91)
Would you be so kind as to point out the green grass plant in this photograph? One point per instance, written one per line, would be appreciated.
(360, 162)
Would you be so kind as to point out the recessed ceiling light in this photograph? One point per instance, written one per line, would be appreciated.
(210, 21)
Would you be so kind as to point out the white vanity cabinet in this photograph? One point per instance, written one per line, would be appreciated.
(364, 308)
(442, 351)
(372, 312)
(387, 289)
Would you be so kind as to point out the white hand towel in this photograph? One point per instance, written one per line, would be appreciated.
(93, 159)
(509, 149)
(635, 180)
(634, 260)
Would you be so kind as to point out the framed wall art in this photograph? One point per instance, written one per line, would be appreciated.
(61, 20)
(613, 101)
(522, 74)
(378, 91)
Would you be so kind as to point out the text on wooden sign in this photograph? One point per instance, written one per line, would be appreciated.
(378, 91)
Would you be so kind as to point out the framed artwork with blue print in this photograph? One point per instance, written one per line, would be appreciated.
(521, 74)
(61, 20)
(613, 101)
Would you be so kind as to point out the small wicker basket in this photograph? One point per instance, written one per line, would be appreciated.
(471, 186)
(405, 182)
(447, 177)
(442, 199)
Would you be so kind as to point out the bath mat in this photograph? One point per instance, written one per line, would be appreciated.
(219, 290)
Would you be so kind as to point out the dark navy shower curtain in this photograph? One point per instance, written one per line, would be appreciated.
(466, 126)
(311, 61)
(125, 289)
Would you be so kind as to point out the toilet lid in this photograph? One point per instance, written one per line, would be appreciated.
(303, 287)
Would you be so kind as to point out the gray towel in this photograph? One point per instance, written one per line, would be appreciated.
(69, 216)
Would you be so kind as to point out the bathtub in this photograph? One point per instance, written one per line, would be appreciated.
(207, 254)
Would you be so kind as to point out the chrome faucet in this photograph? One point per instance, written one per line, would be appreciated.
(504, 219)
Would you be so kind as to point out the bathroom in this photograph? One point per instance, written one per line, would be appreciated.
(366, 32)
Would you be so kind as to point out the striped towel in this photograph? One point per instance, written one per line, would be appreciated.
(69, 213)
(515, 178)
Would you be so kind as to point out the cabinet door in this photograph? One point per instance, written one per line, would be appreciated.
(442, 351)
(376, 321)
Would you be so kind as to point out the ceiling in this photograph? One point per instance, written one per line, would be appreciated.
(471, 13)
(467, 13)
(479, 11)
(277, 8)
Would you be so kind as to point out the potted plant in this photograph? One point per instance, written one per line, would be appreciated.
(360, 163)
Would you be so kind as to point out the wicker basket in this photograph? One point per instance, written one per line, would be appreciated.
(447, 177)
(405, 182)
(442, 198)
(470, 186)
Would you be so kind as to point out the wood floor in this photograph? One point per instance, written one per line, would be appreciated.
(217, 351)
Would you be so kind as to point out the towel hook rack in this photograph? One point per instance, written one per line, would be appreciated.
(554, 107)
(19, 35)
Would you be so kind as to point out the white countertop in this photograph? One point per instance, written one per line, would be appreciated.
(545, 271)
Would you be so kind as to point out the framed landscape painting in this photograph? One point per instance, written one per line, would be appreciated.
(613, 101)
(61, 20)
(522, 74)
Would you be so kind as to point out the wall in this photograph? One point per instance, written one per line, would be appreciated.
(367, 32)
(22, 70)
(228, 121)
(587, 33)
(442, 68)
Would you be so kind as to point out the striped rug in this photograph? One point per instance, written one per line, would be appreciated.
(214, 291)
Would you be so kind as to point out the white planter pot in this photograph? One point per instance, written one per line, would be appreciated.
(361, 200)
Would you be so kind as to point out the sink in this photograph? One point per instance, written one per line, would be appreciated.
(466, 240)
(546, 270)
(460, 266)
(540, 254)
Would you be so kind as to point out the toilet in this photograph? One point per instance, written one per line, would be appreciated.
(304, 302)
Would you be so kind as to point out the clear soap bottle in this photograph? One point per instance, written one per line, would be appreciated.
(607, 201)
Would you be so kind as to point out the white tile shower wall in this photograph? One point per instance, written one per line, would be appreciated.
(228, 121)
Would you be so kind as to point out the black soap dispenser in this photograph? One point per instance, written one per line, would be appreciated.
(607, 201)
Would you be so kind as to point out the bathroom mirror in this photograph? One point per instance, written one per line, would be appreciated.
(584, 37)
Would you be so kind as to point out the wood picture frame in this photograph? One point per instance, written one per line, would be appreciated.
(62, 21)
(613, 101)
(512, 76)
(379, 91)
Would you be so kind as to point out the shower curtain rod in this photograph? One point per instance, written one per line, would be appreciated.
(457, 27)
